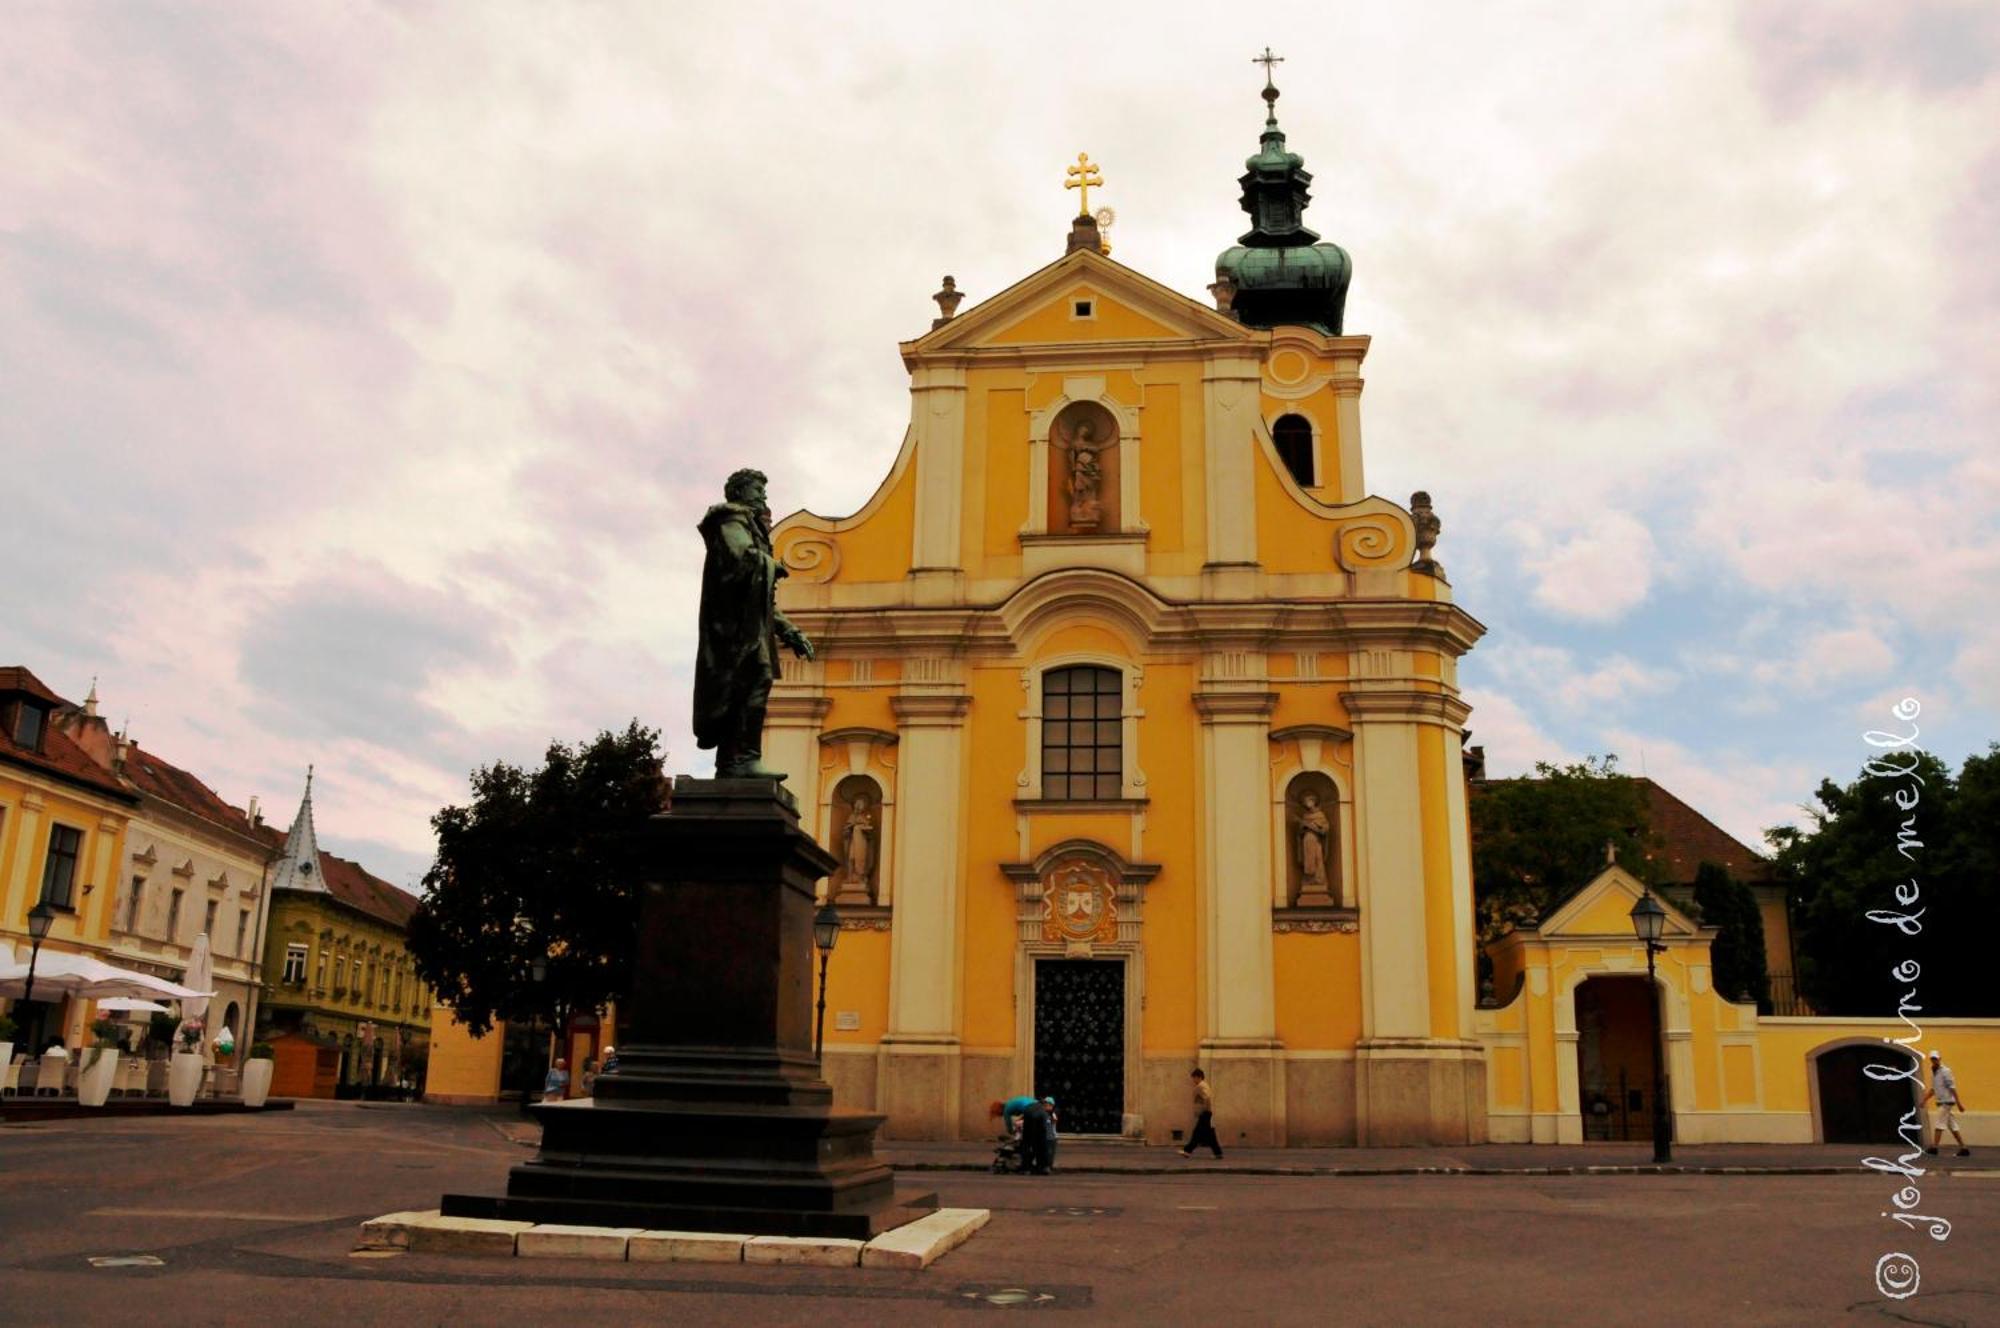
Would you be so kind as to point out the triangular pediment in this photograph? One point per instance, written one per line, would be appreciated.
(1041, 309)
(1604, 908)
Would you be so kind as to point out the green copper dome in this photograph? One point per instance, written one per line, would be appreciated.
(1282, 272)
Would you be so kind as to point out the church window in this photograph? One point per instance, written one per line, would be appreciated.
(1083, 746)
(295, 965)
(1293, 436)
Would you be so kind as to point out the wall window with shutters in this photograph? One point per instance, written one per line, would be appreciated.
(174, 914)
(243, 933)
(59, 867)
(208, 920)
(133, 900)
(1083, 742)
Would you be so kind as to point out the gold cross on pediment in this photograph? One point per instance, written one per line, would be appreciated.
(1082, 177)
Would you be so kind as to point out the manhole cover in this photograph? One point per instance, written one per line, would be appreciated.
(990, 1296)
(127, 1261)
(1010, 1296)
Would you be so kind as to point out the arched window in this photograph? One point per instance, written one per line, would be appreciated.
(1082, 734)
(1293, 436)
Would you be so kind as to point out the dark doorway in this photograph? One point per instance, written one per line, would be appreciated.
(1080, 1042)
(1616, 1030)
(1855, 1109)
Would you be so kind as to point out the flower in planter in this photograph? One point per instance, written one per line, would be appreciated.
(190, 1036)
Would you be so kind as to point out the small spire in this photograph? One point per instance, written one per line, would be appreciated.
(1270, 88)
(90, 702)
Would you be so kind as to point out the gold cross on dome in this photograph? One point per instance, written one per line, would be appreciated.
(1082, 177)
(1267, 60)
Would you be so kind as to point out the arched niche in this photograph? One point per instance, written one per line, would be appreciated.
(1312, 841)
(1085, 488)
(857, 841)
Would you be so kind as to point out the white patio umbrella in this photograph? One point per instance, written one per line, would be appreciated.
(200, 976)
(130, 1005)
(62, 973)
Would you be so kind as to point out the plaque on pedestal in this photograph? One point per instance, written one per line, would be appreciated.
(716, 1118)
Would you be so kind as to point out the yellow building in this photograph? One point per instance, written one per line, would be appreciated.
(1136, 722)
(62, 829)
(342, 1004)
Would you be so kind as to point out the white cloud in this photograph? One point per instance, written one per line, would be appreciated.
(1597, 572)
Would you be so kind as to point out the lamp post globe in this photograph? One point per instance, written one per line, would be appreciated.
(826, 930)
(1649, 922)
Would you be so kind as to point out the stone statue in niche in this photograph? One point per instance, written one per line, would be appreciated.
(858, 844)
(1313, 833)
(1086, 477)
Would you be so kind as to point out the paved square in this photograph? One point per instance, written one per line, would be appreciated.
(253, 1217)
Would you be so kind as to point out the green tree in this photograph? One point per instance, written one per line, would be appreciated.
(1849, 861)
(541, 865)
(1736, 957)
(1535, 842)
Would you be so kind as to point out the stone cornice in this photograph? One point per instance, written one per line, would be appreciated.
(1380, 706)
(790, 709)
(858, 733)
(1240, 707)
(930, 709)
(1324, 732)
(997, 630)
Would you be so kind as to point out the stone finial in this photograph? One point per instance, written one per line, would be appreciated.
(1610, 852)
(947, 301)
(1084, 234)
(1428, 525)
(1223, 289)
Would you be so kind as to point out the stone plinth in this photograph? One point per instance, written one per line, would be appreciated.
(716, 1118)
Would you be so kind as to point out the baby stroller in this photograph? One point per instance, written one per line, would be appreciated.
(1007, 1156)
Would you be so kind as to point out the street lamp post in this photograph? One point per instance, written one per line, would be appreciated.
(538, 969)
(1649, 920)
(826, 930)
(40, 918)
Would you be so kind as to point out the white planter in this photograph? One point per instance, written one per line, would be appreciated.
(256, 1080)
(94, 1082)
(183, 1078)
(6, 1061)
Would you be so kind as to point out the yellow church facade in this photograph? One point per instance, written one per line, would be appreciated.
(1134, 721)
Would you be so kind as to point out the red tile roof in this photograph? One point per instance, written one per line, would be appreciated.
(153, 775)
(1692, 839)
(59, 755)
(350, 883)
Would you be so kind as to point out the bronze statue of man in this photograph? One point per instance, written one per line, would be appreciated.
(736, 656)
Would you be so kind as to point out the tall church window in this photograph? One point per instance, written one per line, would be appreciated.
(1082, 734)
(1293, 436)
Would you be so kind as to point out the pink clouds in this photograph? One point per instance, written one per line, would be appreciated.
(418, 338)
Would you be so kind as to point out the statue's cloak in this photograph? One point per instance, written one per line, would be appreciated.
(737, 652)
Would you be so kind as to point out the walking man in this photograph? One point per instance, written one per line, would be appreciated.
(1204, 1118)
(1944, 1116)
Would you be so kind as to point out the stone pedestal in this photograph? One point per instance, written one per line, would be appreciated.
(716, 1118)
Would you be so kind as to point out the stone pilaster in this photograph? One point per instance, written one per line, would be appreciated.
(918, 1089)
(1418, 1079)
(1239, 1041)
(937, 419)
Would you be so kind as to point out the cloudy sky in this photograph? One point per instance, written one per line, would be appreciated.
(363, 370)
